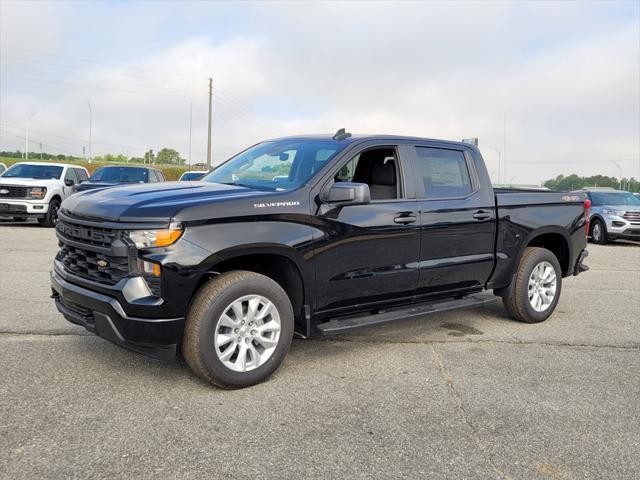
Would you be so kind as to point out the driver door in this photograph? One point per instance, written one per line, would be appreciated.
(369, 254)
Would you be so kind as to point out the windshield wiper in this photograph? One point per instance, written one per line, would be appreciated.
(238, 184)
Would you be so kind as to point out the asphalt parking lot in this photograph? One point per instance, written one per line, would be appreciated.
(467, 394)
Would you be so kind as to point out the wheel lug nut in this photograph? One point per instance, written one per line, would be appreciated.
(235, 330)
(247, 340)
(253, 332)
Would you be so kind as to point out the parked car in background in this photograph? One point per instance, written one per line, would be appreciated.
(614, 214)
(112, 176)
(36, 190)
(192, 175)
(3, 167)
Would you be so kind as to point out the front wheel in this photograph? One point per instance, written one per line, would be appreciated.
(51, 218)
(536, 289)
(599, 232)
(238, 330)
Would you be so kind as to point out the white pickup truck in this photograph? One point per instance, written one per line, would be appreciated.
(36, 189)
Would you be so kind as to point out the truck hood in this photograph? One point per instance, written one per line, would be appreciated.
(150, 202)
(30, 182)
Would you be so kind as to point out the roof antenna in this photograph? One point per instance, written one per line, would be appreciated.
(341, 134)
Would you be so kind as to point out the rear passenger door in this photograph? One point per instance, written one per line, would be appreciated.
(458, 219)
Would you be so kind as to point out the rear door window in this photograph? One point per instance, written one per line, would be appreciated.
(442, 173)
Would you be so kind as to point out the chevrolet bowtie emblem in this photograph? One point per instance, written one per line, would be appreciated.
(102, 263)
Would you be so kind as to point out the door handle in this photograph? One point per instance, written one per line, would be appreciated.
(405, 219)
(481, 215)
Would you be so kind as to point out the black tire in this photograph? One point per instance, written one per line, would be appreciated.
(209, 304)
(599, 232)
(517, 300)
(51, 218)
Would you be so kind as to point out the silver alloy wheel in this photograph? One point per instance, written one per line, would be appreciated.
(247, 333)
(596, 233)
(542, 286)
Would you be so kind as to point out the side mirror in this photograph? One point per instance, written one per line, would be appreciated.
(68, 183)
(348, 193)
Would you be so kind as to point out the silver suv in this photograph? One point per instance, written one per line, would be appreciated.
(614, 214)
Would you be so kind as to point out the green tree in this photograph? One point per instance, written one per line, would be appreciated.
(169, 156)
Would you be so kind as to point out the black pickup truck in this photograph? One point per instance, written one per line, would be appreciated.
(312, 236)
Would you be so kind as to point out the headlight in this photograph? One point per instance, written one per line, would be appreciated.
(617, 213)
(157, 238)
(37, 193)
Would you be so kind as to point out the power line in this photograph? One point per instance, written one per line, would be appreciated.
(84, 60)
(111, 82)
(98, 86)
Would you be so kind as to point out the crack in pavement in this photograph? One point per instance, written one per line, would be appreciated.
(482, 446)
(9, 333)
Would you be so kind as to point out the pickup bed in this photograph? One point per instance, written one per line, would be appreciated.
(313, 236)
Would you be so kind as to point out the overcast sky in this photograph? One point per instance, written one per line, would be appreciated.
(567, 76)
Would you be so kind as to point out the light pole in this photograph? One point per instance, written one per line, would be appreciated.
(90, 115)
(499, 159)
(619, 173)
(26, 136)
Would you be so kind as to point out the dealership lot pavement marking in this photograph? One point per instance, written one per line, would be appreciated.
(466, 394)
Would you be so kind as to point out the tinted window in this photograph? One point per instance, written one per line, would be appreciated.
(120, 175)
(71, 175)
(160, 176)
(26, 170)
(443, 173)
(81, 174)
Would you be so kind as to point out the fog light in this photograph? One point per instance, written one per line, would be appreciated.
(38, 207)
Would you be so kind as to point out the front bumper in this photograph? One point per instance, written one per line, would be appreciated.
(103, 315)
(23, 208)
(619, 227)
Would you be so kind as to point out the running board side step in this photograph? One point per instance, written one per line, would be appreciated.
(347, 324)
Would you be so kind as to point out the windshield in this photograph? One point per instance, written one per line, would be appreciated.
(614, 198)
(276, 165)
(25, 170)
(120, 175)
(192, 175)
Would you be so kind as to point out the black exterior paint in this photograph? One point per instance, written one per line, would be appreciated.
(349, 259)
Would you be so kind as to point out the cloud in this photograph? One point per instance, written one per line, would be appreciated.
(566, 75)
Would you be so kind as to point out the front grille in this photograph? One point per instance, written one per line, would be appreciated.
(92, 265)
(13, 191)
(98, 236)
(633, 217)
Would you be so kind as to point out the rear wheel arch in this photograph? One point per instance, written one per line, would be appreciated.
(556, 241)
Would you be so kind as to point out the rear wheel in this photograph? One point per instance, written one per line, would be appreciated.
(536, 289)
(51, 218)
(238, 330)
(599, 232)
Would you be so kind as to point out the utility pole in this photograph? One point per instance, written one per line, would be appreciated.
(209, 127)
(40, 151)
(190, 129)
(26, 140)
(504, 145)
(90, 115)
